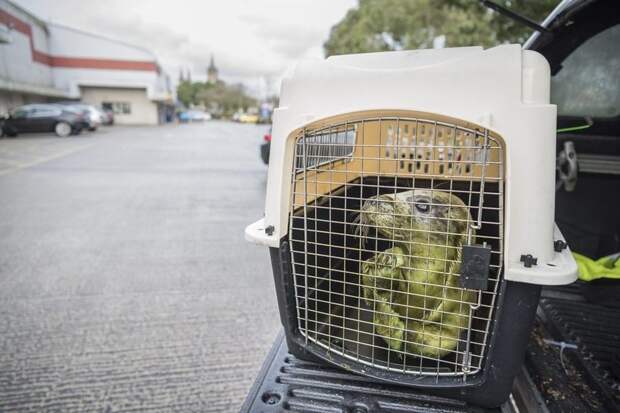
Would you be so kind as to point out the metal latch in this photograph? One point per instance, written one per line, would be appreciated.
(475, 267)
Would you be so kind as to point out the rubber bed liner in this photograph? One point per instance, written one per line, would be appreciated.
(288, 384)
(585, 378)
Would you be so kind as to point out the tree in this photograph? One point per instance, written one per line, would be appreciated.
(186, 92)
(219, 98)
(380, 25)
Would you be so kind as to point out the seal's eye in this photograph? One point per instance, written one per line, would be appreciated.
(422, 206)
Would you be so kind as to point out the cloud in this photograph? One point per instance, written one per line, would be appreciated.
(287, 39)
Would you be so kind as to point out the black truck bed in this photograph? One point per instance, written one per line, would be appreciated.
(285, 383)
(288, 384)
(585, 379)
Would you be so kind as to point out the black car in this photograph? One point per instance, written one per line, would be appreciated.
(43, 118)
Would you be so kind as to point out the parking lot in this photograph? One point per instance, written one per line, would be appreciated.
(125, 281)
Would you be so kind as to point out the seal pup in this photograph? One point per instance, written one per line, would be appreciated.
(412, 287)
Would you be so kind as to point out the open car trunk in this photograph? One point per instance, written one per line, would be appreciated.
(588, 214)
(574, 350)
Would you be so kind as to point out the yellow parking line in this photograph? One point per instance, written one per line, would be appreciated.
(61, 154)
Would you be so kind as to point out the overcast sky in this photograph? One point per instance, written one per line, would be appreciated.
(253, 41)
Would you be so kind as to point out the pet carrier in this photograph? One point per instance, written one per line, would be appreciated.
(409, 214)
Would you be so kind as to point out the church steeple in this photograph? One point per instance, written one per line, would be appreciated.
(212, 72)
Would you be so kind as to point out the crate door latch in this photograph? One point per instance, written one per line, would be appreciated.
(475, 267)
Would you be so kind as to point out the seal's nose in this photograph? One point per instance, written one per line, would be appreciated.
(373, 202)
(380, 203)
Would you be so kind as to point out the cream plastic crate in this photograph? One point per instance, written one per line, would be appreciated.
(464, 138)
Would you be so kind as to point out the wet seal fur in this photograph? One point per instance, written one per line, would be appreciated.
(412, 287)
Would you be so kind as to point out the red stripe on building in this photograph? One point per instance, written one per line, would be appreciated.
(72, 62)
(88, 63)
(17, 24)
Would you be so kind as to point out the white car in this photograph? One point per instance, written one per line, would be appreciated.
(92, 116)
(198, 116)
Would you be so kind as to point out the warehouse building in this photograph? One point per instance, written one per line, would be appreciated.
(46, 62)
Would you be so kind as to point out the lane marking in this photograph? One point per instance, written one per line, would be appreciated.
(39, 161)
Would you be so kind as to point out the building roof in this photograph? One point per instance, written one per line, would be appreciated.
(35, 19)
(102, 37)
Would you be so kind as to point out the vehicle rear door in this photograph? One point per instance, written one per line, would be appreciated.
(43, 118)
(586, 89)
(20, 120)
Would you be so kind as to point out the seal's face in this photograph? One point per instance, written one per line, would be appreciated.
(399, 216)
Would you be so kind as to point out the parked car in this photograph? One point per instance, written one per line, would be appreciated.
(43, 118)
(246, 118)
(265, 147)
(198, 115)
(183, 116)
(91, 115)
(107, 116)
(193, 116)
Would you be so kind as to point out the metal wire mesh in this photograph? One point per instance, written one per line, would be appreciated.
(381, 208)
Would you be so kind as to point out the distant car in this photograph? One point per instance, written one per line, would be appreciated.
(183, 117)
(245, 118)
(43, 118)
(92, 116)
(266, 147)
(198, 115)
(107, 116)
(193, 116)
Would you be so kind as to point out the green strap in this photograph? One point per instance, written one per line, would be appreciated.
(574, 128)
(589, 269)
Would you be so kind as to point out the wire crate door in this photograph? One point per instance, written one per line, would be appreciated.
(381, 208)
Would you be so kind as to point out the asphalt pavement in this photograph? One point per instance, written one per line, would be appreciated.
(125, 281)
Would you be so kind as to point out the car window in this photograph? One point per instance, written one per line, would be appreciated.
(20, 113)
(44, 112)
(70, 108)
(588, 84)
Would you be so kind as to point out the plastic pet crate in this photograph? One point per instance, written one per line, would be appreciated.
(409, 214)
